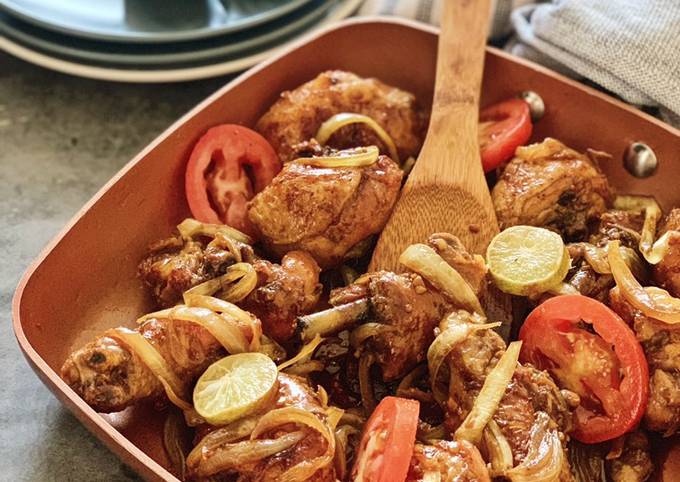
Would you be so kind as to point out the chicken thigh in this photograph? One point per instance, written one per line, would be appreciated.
(551, 186)
(325, 211)
(299, 113)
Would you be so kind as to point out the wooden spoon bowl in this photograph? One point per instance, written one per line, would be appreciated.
(447, 191)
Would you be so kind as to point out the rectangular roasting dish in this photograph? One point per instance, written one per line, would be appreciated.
(85, 280)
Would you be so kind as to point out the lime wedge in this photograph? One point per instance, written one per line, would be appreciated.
(526, 260)
(234, 386)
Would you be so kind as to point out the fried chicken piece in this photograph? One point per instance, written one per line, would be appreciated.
(529, 393)
(283, 293)
(661, 344)
(624, 226)
(458, 460)
(293, 392)
(408, 307)
(173, 265)
(471, 267)
(110, 376)
(297, 115)
(549, 185)
(584, 278)
(325, 211)
(667, 272)
(635, 463)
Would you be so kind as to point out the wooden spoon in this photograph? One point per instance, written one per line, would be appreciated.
(446, 190)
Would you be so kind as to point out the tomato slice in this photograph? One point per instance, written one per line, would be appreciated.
(228, 166)
(502, 128)
(588, 349)
(387, 442)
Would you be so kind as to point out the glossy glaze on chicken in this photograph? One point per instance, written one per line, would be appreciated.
(345, 339)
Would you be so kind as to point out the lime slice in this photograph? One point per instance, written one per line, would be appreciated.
(235, 386)
(526, 260)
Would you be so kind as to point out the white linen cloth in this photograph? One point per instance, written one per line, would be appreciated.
(628, 47)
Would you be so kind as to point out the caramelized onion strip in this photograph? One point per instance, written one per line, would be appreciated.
(330, 126)
(651, 301)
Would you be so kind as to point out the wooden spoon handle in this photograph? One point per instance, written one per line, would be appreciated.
(451, 141)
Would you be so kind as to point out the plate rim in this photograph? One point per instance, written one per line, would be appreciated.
(149, 38)
(343, 10)
(130, 60)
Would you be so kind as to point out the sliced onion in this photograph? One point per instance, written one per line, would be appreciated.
(341, 439)
(224, 329)
(366, 331)
(426, 262)
(498, 449)
(651, 301)
(233, 456)
(227, 434)
(442, 345)
(545, 458)
(408, 166)
(345, 118)
(652, 251)
(226, 308)
(282, 416)
(190, 228)
(154, 362)
(596, 257)
(237, 283)
(366, 361)
(490, 395)
(305, 352)
(333, 320)
(356, 157)
(334, 415)
(174, 442)
(302, 369)
(587, 462)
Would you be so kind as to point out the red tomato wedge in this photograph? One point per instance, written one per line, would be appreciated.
(228, 166)
(387, 442)
(502, 128)
(589, 350)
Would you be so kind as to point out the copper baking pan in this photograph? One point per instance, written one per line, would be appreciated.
(84, 281)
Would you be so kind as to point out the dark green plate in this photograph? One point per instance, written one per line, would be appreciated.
(148, 21)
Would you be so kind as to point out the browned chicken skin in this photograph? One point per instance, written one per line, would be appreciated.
(299, 113)
(624, 226)
(293, 392)
(549, 185)
(325, 211)
(409, 307)
(667, 272)
(458, 460)
(173, 265)
(661, 344)
(284, 292)
(110, 376)
(531, 391)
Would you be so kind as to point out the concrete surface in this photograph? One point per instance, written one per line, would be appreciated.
(61, 138)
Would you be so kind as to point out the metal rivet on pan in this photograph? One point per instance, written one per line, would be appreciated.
(536, 105)
(640, 160)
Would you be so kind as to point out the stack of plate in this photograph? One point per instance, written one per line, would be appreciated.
(158, 40)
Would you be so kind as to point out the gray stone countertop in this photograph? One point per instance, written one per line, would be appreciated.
(61, 139)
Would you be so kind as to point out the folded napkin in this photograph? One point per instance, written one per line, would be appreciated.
(628, 47)
(429, 11)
